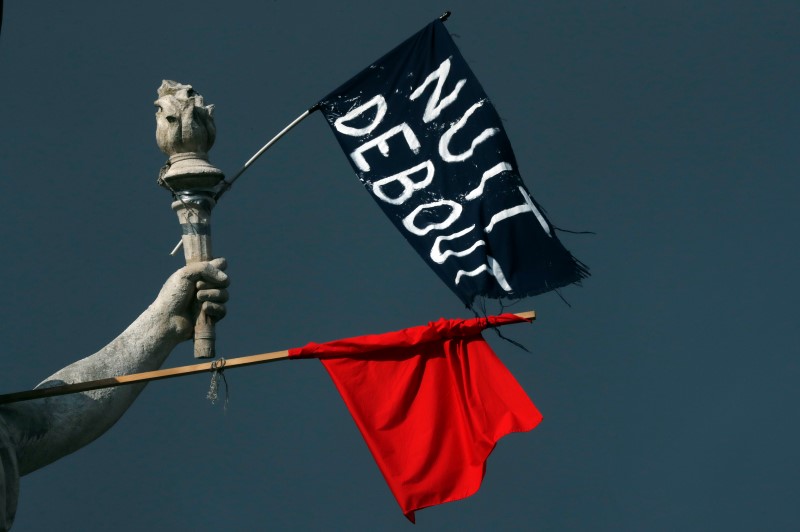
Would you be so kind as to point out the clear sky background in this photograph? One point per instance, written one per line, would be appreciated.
(669, 387)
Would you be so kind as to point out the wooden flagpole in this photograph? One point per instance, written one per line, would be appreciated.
(147, 376)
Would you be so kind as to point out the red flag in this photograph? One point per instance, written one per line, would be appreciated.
(431, 403)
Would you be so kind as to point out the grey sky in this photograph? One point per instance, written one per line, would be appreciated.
(668, 388)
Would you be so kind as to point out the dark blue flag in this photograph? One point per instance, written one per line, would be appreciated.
(426, 142)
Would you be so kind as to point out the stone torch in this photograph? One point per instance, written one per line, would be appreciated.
(185, 131)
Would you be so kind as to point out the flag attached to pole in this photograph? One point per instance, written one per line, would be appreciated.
(429, 146)
(431, 403)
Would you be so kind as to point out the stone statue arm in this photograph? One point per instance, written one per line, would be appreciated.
(45, 430)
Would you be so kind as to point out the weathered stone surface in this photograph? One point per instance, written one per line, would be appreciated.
(185, 131)
(36, 433)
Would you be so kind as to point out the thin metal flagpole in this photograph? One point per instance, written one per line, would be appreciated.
(147, 376)
(266, 146)
(443, 17)
(228, 183)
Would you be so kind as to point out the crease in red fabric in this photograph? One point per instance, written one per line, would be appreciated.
(431, 403)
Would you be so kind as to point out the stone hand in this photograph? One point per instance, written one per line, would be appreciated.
(195, 286)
